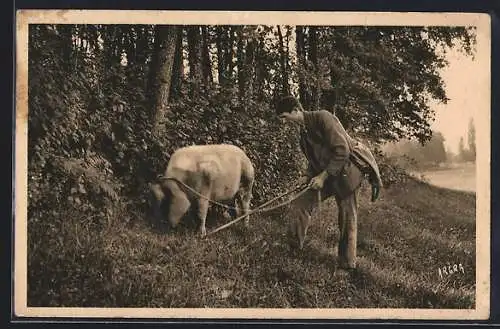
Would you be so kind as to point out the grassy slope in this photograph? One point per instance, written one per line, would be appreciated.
(403, 239)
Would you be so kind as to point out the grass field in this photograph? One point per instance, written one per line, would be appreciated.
(404, 239)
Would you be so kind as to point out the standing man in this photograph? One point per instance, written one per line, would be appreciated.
(337, 165)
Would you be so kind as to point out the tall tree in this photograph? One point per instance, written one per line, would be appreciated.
(260, 67)
(250, 67)
(313, 56)
(301, 63)
(230, 54)
(462, 152)
(430, 153)
(164, 58)
(224, 41)
(471, 140)
(194, 58)
(285, 87)
(241, 61)
(220, 41)
(66, 33)
(178, 66)
(434, 151)
(245, 56)
(206, 61)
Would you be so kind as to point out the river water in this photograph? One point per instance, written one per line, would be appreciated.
(462, 178)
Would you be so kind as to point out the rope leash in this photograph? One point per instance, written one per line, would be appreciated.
(196, 193)
(258, 209)
(224, 205)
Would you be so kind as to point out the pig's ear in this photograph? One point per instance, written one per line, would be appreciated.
(157, 191)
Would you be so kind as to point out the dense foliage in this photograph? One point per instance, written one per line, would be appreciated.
(108, 104)
(411, 154)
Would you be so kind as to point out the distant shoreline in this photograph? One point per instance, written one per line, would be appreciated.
(461, 177)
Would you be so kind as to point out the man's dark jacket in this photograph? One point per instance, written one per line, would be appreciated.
(327, 146)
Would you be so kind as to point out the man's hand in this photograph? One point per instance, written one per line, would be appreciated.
(317, 182)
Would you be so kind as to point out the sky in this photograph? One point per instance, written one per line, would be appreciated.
(461, 81)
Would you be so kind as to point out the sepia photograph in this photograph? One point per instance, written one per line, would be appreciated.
(308, 165)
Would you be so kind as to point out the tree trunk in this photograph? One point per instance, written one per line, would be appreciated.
(221, 64)
(152, 73)
(110, 59)
(165, 50)
(130, 49)
(285, 87)
(301, 61)
(178, 66)
(133, 70)
(225, 54)
(230, 55)
(313, 56)
(260, 71)
(250, 68)
(142, 49)
(240, 55)
(66, 33)
(206, 62)
(194, 58)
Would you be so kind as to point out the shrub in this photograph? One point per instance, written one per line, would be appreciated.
(391, 172)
